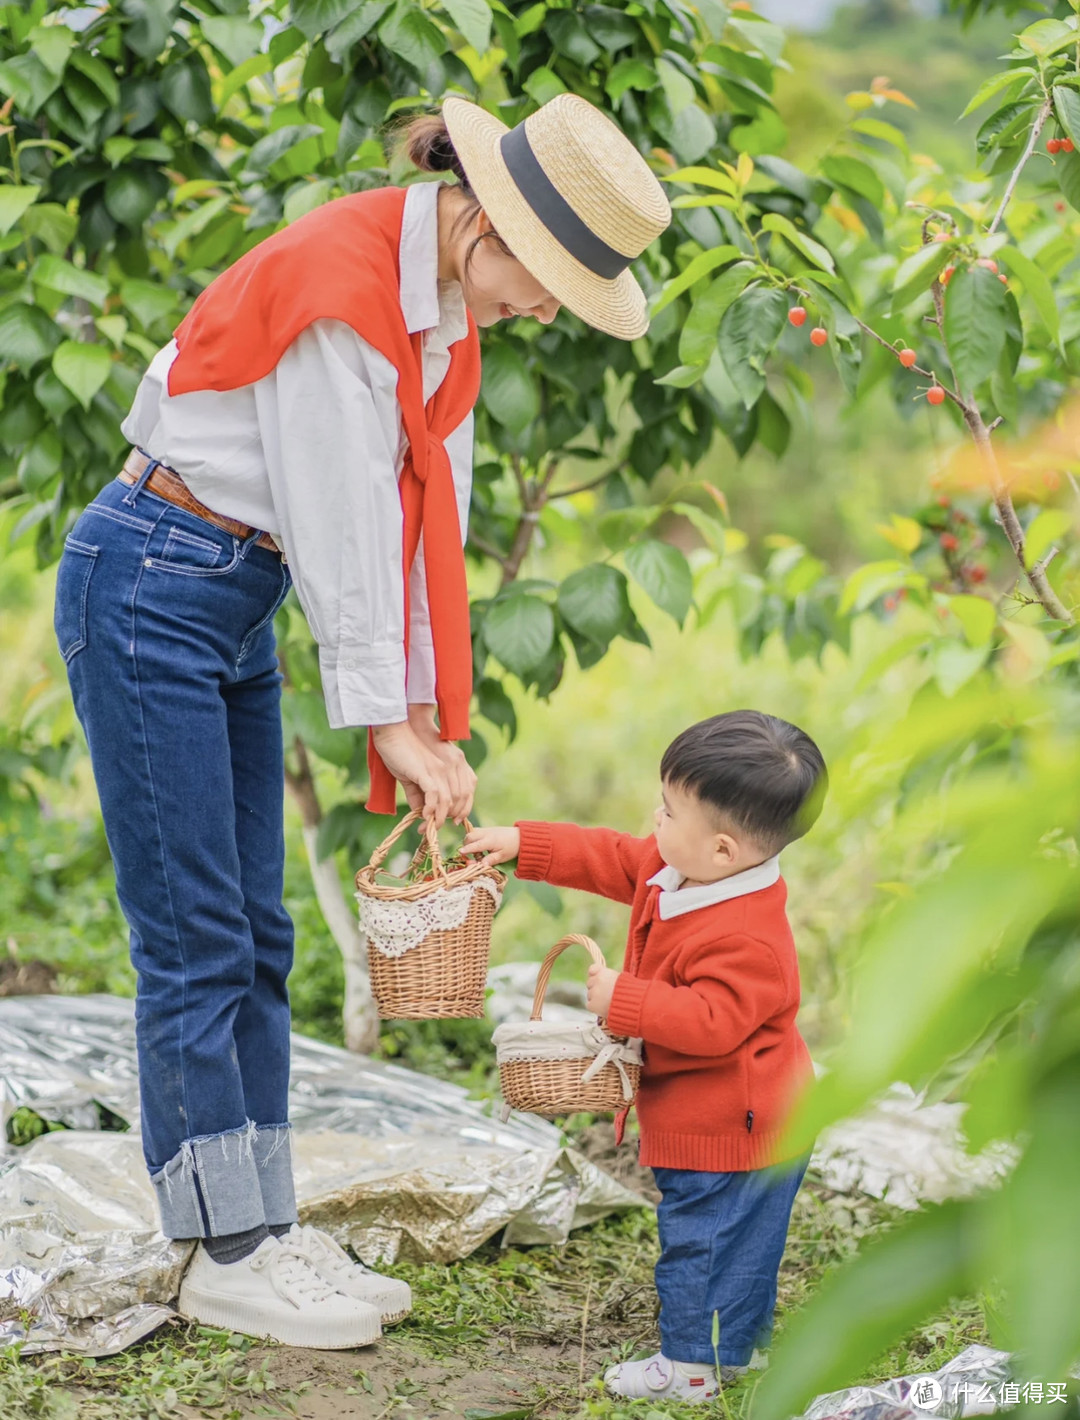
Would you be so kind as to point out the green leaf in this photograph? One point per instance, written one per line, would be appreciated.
(149, 25)
(750, 328)
(594, 602)
(508, 389)
(619, 528)
(52, 44)
(859, 176)
(916, 273)
(98, 72)
(975, 319)
(543, 84)
(1037, 285)
(994, 85)
(130, 197)
(272, 146)
(872, 580)
(1044, 531)
(13, 203)
(701, 265)
(60, 275)
(1003, 126)
(243, 74)
(82, 368)
(1045, 37)
(148, 302)
(1067, 108)
(27, 335)
(1068, 176)
(693, 134)
(699, 334)
(473, 19)
(314, 17)
(664, 573)
(52, 225)
(185, 90)
(26, 80)
(237, 37)
(630, 74)
(307, 197)
(886, 132)
(409, 33)
(976, 615)
(681, 377)
(519, 630)
(805, 245)
(704, 177)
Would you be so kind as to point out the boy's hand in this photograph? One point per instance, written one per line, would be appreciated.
(498, 845)
(601, 987)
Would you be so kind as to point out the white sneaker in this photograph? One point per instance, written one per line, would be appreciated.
(392, 1297)
(657, 1378)
(275, 1292)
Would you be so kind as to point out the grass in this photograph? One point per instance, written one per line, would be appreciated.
(548, 1318)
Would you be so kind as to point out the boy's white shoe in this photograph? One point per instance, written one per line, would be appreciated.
(657, 1378)
(392, 1297)
(275, 1292)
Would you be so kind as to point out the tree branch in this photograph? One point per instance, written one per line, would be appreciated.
(1033, 137)
(582, 487)
(488, 549)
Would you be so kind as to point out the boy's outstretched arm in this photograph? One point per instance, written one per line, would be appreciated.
(593, 859)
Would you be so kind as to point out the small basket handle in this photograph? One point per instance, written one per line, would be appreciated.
(428, 848)
(544, 976)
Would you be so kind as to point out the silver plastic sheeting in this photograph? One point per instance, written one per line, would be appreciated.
(395, 1164)
(978, 1381)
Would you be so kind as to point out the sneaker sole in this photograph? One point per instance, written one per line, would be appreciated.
(210, 1310)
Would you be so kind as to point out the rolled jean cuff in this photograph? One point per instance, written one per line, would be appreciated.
(211, 1186)
(272, 1147)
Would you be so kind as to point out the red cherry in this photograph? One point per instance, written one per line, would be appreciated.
(977, 573)
(890, 603)
(1053, 145)
(1059, 207)
(949, 542)
(935, 395)
(1067, 145)
(797, 315)
(947, 275)
(940, 237)
(1003, 278)
(987, 262)
(907, 357)
(819, 335)
(943, 500)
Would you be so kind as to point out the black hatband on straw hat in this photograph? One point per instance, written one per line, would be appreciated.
(553, 210)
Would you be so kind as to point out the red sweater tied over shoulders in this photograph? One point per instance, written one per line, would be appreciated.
(341, 262)
(713, 993)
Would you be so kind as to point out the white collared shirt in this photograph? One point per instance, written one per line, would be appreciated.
(312, 454)
(675, 901)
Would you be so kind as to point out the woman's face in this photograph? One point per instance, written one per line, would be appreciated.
(496, 285)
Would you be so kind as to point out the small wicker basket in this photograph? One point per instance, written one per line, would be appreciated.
(556, 1068)
(429, 936)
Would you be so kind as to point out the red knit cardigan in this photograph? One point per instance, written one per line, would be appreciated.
(713, 993)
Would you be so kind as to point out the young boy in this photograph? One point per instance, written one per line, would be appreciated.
(711, 984)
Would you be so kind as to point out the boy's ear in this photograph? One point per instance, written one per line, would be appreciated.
(726, 849)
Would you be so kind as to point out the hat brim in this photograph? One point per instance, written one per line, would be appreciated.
(616, 307)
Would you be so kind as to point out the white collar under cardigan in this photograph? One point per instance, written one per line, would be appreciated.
(675, 901)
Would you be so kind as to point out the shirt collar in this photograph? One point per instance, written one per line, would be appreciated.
(674, 902)
(426, 302)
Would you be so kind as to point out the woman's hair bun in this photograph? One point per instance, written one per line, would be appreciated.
(427, 144)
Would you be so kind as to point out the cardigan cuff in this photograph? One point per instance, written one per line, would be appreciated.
(534, 855)
(627, 1001)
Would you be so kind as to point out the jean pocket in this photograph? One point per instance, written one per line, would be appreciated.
(72, 591)
(194, 556)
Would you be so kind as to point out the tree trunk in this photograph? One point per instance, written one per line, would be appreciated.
(359, 1016)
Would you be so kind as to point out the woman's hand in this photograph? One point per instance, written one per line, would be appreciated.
(499, 844)
(429, 784)
(450, 755)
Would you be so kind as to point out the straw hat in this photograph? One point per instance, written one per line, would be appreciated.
(572, 198)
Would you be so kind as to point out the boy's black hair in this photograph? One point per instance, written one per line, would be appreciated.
(767, 777)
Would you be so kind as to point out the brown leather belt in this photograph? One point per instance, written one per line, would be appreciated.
(169, 485)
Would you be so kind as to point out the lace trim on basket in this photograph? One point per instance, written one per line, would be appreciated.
(394, 928)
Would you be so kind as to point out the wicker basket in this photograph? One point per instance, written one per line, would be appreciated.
(421, 971)
(573, 1082)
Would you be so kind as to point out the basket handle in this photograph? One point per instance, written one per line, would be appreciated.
(544, 975)
(428, 847)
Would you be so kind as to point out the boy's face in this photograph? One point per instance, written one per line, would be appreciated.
(690, 842)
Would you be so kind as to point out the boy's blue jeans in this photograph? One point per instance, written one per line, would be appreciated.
(722, 1238)
(166, 624)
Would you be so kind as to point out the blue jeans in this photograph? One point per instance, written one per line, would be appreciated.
(722, 1238)
(166, 624)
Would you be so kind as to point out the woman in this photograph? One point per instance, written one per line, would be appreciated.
(310, 425)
